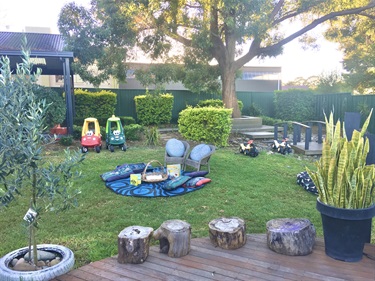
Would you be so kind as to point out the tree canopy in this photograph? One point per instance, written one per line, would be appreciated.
(219, 34)
(356, 36)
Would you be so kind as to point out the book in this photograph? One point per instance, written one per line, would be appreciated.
(135, 179)
(174, 170)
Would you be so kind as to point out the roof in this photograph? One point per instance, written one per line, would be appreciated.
(50, 47)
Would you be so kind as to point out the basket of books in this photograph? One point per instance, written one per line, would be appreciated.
(158, 173)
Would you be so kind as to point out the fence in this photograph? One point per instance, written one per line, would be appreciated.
(339, 103)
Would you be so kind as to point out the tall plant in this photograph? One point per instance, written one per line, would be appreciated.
(23, 164)
(342, 177)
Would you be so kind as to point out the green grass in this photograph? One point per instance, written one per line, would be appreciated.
(255, 189)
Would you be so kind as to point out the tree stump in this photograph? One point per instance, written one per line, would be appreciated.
(174, 237)
(228, 233)
(292, 237)
(133, 244)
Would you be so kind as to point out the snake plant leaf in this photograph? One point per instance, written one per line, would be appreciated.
(339, 195)
(366, 123)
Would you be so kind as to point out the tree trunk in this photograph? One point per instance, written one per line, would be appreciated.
(229, 91)
(292, 237)
(133, 244)
(174, 237)
(228, 233)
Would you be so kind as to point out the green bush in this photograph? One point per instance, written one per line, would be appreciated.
(100, 105)
(66, 140)
(77, 132)
(295, 105)
(253, 110)
(154, 109)
(56, 111)
(127, 120)
(133, 132)
(206, 124)
(216, 103)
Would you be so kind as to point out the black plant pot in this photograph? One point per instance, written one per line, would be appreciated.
(345, 231)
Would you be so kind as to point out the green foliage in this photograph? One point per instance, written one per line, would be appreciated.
(99, 38)
(266, 120)
(133, 131)
(216, 103)
(356, 37)
(253, 110)
(56, 111)
(295, 104)
(127, 120)
(154, 109)
(66, 140)
(152, 136)
(94, 104)
(24, 171)
(77, 132)
(206, 124)
(331, 83)
(342, 177)
(214, 32)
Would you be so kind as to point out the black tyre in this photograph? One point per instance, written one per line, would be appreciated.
(97, 149)
(111, 148)
(84, 149)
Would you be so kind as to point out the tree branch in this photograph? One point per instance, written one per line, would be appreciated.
(313, 25)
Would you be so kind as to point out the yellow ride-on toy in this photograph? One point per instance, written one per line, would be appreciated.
(91, 136)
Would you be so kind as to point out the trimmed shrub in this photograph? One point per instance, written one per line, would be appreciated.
(295, 104)
(216, 103)
(66, 140)
(100, 105)
(206, 124)
(154, 109)
(133, 132)
(127, 120)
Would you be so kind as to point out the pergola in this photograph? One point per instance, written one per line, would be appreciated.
(48, 54)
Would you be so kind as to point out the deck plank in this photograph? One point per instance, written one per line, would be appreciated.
(254, 261)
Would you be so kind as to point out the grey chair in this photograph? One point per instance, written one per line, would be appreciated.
(202, 162)
(176, 160)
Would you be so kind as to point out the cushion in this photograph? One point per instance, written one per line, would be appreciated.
(199, 152)
(175, 148)
(203, 181)
(176, 182)
(196, 174)
(136, 167)
(117, 174)
(197, 181)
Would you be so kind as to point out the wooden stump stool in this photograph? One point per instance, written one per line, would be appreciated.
(292, 237)
(174, 238)
(228, 233)
(133, 244)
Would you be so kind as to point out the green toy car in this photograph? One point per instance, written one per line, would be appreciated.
(115, 135)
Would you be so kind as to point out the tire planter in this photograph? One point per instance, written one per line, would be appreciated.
(345, 231)
(64, 266)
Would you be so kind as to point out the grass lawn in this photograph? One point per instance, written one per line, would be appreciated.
(254, 189)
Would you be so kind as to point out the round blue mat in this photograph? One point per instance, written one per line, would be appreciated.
(146, 189)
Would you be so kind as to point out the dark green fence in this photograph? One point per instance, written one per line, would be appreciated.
(339, 103)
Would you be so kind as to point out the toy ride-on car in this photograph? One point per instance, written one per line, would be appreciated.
(115, 135)
(91, 136)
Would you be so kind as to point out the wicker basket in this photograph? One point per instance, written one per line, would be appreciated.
(154, 176)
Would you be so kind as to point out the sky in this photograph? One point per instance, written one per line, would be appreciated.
(295, 62)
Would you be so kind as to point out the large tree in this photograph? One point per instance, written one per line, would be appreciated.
(356, 36)
(229, 33)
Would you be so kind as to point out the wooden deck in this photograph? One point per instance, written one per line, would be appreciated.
(254, 261)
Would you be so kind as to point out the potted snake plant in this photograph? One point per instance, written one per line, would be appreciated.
(346, 187)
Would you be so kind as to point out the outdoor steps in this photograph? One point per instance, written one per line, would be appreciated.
(252, 127)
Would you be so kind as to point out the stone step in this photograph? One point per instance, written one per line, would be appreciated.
(258, 135)
(246, 122)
